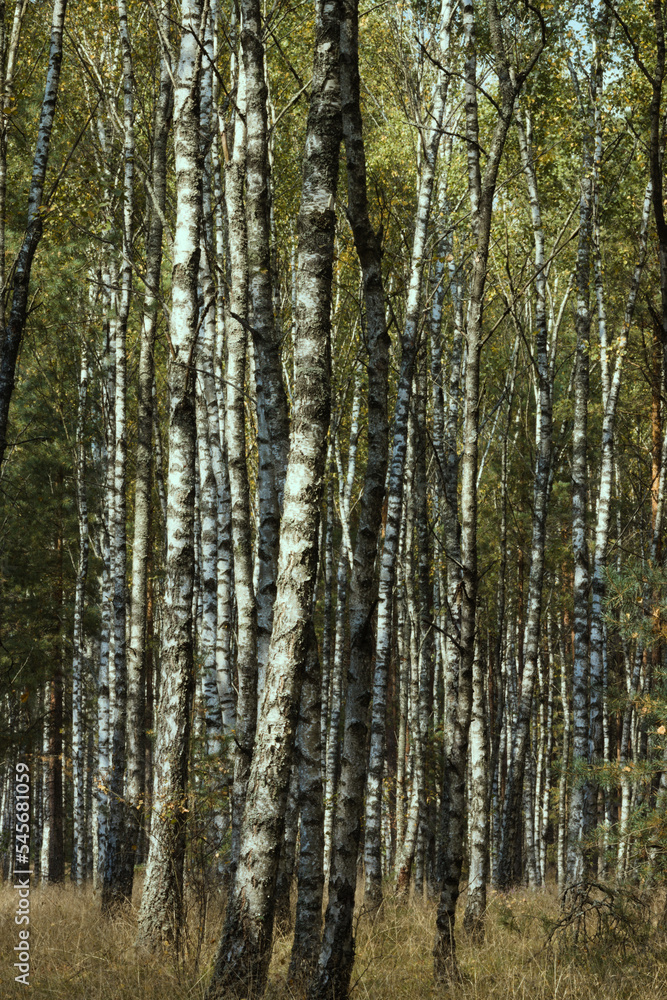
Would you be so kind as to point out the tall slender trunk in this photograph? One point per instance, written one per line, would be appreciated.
(411, 624)
(430, 137)
(245, 947)
(103, 680)
(117, 875)
(482, 188)
(13, 330)
(337, 952)
(160, 917)
(235, 435)
(479, 816)
(136, 652)
(77, 871)
(272, 419)
(575, 856)
(541, 489)
(346, 482)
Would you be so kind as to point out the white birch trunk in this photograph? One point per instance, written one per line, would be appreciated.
(117, 876)
(235, 436)
(77, 871)
(475, 910)
(160, 917)
(136, 652)
(245, 947)
(431, 140)
(481, 189)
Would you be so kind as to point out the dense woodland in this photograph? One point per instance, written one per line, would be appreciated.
(333, 444)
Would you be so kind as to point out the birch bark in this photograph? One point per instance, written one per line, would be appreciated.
(337, 951)
(245, 948)
(235, 435)
(117, 875)
(13, 331)
(475, 910)
(77, 871)
(160, 917)
(482, 188)
(136, 652)
(575, 857)
(273, 440)
(430, 137)
(103, 679)
(541, 488)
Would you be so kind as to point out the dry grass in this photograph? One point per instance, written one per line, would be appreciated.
(75, 954)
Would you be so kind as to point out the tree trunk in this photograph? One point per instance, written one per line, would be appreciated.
(77, 871)
(541, 490)
(13, 331)
(431, 141)
(475, 910)
(308, 922)
(160, 917)
(481, 193)
(136, 652)
(575, 856)
(117, 876)
(235, 435)
(272, 419)
(337, 952)
(245, 948)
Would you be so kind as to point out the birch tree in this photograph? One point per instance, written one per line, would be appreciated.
(117, 875)
(160, 916)
(336, 959)
(481, 190)
(15, 324)
(136, 651)
(430, 138)
(245, 947)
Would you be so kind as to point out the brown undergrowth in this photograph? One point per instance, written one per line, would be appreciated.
(76, 954)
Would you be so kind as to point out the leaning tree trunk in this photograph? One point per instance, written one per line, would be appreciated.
(245, 947)
(161, 914)
(337, 951)
(13, 332)
(235, 433)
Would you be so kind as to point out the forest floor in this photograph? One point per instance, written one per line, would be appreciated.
(76, 954)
